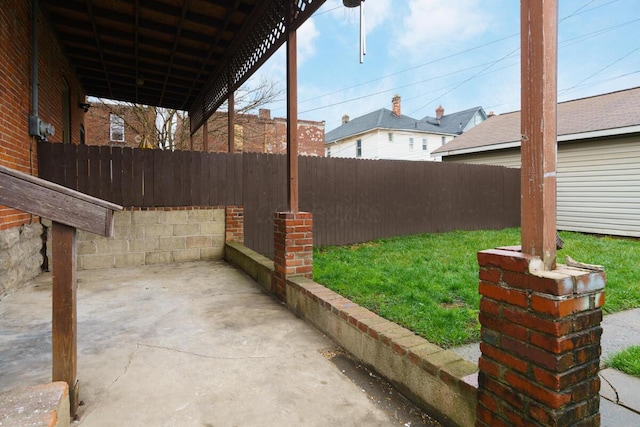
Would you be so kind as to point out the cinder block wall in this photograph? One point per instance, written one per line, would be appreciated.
(153, 237)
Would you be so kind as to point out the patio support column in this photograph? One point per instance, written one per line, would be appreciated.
(539, 47)
(64, 316)
(293, 230)
(540, 322)
(205, 136)
(293, 254)
(231, 119)
(292, 119)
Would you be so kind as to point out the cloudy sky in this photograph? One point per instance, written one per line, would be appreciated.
(458, 54)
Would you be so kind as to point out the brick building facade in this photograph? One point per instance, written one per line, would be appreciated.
(257, 134)
(59, 95)
(102, 128)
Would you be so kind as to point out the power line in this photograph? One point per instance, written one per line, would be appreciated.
(563, 43)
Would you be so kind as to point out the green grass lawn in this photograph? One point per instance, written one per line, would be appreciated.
(627, 361)
(429, 283)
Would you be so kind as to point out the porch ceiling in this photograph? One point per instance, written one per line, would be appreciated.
(171, 53)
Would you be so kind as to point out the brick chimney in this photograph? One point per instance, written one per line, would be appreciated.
(491, 114)
(395, 105)
(345, 119)
(439, 112)
(264, 114)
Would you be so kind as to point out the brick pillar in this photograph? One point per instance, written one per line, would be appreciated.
(234, 224)
(293, 244)
(540, 342)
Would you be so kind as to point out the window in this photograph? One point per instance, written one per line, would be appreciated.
(424, 144)
(328, 151)
(444, 140)
(390, 136)
(359, 148)
(411, 143)
(116, 128)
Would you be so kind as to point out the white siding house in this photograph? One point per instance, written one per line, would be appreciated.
(598, 167)
(387, 134)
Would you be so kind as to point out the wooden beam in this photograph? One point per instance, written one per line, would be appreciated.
(205, 136)
(64, 316)
(539, 45)
(46, 199)
(292, 120)
(231, 120)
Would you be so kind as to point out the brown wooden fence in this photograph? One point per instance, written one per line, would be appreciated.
(351, 200)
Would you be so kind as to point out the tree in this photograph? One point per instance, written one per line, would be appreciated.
(169, 129)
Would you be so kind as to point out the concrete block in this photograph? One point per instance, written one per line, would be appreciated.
(136, 231)
(122, 231)
(174, 217)
(87, 247)
(130, 259)
(212, 228)
(158, 257)
(212, 253)
(200, 216)
(158, 231)
(145, 217)
(95, 262)
(111, 246)
(199, 242)
(186, 229)
(43, 405)
(82, 236)
(122, 218)
(217, 241)
(172, 243)
(186, 255)
(144, 245)
(219, 214)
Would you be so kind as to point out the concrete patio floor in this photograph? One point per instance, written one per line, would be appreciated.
(182, 345)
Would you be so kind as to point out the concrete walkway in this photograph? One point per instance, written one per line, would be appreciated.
(620, 393)
(192, 344)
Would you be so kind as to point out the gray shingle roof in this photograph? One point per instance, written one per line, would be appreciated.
(450, 124)
(596, 113)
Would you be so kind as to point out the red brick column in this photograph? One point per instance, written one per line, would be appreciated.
(234, 224)
(540, 342)
(293, 244)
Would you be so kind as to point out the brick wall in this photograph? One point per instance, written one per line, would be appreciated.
(138, 120)
(260, 134)
(293, 244)
(144, 237)
(540, 342)
(17, 149)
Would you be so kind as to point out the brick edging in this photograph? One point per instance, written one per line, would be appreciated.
(436, 379)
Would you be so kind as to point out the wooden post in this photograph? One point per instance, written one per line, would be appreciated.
(539, 42)
(205, 136)
(231, 118)
(292, 118)
(64, 318)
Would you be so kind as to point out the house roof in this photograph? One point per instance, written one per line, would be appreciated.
(450, 124)
(607, 114)
(182, 54)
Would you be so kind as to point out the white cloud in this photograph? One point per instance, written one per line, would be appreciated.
(307, 38)
(435, 23)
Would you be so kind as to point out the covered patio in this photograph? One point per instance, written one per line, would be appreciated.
(188, 344)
